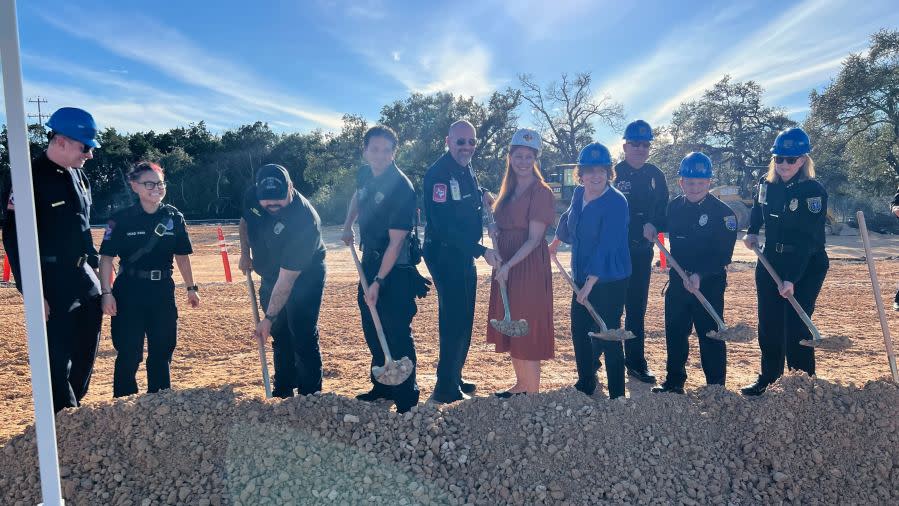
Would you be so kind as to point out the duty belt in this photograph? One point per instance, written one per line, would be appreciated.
(783, 248)
(78, 261)
(154, 275)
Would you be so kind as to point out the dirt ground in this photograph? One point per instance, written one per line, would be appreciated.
(215, 348)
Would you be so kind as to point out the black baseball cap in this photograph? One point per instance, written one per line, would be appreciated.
(271, 182)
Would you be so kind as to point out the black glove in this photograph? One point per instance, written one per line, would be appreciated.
(420, 284)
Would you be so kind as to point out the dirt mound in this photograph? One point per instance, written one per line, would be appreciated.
(805, 440)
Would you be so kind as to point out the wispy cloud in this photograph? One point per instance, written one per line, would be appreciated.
(144, 40)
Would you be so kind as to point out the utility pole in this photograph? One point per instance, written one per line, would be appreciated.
(39, 115)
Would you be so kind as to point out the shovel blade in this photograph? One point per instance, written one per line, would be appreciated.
(394, 372)
(832, 343)
(516, 328)
(739, 333)
(613, 335)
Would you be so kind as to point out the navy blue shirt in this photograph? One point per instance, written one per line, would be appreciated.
(597, 233)
(454, 218)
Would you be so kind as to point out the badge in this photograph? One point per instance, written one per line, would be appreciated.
(730, 222)
(107, 232)
(703, 220)
(379, 197)
(814, 204)
(794, 204)
(279, 227)
(624, 186)
(454, 189)
(763, 193)
(652, 182)
(255, 211)
(439, 193)
(11, 203)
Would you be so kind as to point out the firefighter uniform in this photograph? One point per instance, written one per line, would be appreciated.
(453, 209)
(793, 214)
(144, 292)
(702, 237)
(647, 198)
(291, 240)
(62, 200)
(387, 202)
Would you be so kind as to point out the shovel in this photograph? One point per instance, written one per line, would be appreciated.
(506, 326)
(739, 333)
(393, 372)
(878, 300)
(836, 343)
(262, 361)
(604, 333)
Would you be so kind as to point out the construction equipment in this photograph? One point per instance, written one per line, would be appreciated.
(834, 343)
(393, 372)
(506, 326)
(878, 299)
(266, 382)
(604, 333)
(739, 333)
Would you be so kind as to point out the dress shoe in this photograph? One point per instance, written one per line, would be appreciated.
(755, 389)
(665, 389)
(507, 394)
(467, 387)
(373, 395)
(895, 305)
(646, 376)
(437, 399)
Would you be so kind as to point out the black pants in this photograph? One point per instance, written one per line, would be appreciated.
(608, 301)
(635, 307)
(297, 357)
(683, 312)
(143, 308)
(780, 328)
(455, 278)
(396, 308)
(72, 340)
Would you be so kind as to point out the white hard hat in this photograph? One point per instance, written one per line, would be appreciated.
(529, 138)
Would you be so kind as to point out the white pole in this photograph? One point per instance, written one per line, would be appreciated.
(878, 299)
(26, 224)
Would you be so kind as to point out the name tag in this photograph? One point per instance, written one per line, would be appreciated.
(57, 204)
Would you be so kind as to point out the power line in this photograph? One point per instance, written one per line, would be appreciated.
(39, 115)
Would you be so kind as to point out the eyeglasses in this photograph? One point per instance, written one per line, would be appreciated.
(85, 149)
(644, 145)
(471, 142)
(153, 184)
(788, 159)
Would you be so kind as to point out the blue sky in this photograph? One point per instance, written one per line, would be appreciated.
(141, 65)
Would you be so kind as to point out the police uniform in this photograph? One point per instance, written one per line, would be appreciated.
(895, 204)
(453, 209)
(793, 214)
(290, 240)
(144, 292)
(387, 202)
(702, 237)
(62, 200)
(647, 198)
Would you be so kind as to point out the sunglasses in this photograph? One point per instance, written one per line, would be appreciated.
(153, 184)
(471, 142)
(788, 159)
(639, 144)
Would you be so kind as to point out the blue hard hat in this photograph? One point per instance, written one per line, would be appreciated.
(595, 154)
(696, 165)
(791, 142)
(75, 124)
(638, 131)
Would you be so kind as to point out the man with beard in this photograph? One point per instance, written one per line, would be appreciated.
(280, 239)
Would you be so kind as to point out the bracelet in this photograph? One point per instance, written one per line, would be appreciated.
(106, 292)
(193, 288)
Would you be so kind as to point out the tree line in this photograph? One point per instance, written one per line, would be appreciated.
(853, 122)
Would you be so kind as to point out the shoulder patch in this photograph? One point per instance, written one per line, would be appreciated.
(439, 194)
(814, 204)
(730, 222)
(107, 232)
(169, 225)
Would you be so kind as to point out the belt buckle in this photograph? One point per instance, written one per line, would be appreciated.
(155, 275)
(80, 261)
(779, 247)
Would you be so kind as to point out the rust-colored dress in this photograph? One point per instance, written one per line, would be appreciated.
(529, 286)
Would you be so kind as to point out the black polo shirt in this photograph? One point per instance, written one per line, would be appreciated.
(129, 230)
(385, 202)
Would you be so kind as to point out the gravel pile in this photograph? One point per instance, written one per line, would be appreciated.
(805, 440)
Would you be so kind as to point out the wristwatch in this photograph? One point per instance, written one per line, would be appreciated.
(269, 317)
(193, 288)
(378, 280)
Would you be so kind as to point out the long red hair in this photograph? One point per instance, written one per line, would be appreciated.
(510, 182)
